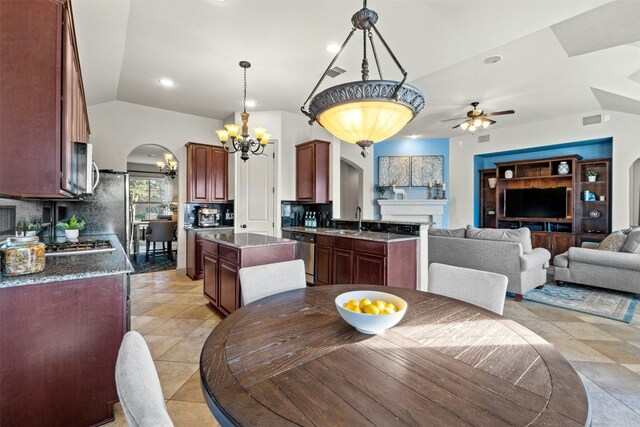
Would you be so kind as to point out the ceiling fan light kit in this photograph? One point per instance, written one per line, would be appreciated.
(239, 134)
(367, 111)
(477, 118)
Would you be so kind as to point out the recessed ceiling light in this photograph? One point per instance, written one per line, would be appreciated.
(166, 82)
(251, 103)
(333, 48)
(493, 59)
(414, 136)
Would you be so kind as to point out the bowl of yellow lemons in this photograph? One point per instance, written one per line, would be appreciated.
(371, 312)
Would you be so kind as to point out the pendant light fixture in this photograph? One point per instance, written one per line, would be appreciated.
(366, 111)
(242, 142)
(169, 167)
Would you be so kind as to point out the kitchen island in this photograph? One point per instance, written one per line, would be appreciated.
(344, 256)
(224, 255)
(195, 268)
(60, 331)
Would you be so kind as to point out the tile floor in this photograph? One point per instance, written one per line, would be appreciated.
(174, 318)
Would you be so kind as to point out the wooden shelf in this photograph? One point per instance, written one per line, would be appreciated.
(520, 178)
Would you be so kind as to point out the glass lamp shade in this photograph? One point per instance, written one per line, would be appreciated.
(485, 123)
(233, 130)
(265, 139)
(223, 135)
(464, 125)
(160, 165)
(477, 122)
(472, 128)
(259, 131)
(364, 120)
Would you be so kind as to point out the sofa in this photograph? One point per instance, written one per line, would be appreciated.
(614, 264)
(501, 251)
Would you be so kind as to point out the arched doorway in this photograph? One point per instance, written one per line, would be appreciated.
(153, 190)
(634, 196)
(351, 186)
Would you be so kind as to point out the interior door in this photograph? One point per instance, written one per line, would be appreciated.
(254, 205)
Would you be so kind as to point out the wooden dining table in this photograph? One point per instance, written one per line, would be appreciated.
(290, 359)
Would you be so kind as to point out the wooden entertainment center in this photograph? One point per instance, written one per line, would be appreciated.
(586, 220)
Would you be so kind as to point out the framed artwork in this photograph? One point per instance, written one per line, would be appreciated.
(394, 169)
(425, 169)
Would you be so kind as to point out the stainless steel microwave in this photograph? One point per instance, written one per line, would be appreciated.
(85, 172)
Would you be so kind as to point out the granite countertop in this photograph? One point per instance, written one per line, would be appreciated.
(379, 221)
(74, 267)
(374, 236)
(221, 227)
(246, 240)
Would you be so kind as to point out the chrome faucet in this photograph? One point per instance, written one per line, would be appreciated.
(359, 216)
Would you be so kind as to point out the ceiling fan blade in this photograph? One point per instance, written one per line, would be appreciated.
(491, 122)
(450, 120)
(457, 126)
(500, 113)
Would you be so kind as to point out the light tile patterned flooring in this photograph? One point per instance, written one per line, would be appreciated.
(174, 318)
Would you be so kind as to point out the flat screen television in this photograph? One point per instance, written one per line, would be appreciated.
(535, 202)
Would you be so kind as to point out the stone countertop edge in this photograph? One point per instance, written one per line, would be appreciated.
(244, 240)
(374, 236)
(379, 221)
(74, 267)
(223, 227)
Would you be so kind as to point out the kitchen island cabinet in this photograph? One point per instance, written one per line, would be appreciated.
(365, 258)
(60, 332)
(43, 108)
(195, 265)
(223, 257)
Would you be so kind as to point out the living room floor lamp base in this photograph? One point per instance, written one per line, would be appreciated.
(367, 111)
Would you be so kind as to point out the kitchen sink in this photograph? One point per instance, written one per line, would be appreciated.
(343, 231)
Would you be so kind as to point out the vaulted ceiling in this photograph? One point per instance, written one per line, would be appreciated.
(558, 57)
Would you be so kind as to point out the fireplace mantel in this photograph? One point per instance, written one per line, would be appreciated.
(425, 211)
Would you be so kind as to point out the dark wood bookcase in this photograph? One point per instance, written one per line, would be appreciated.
(586, 220)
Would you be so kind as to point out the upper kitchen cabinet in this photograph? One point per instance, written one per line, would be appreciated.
(312, 172)
(207, 170)
(42, 106)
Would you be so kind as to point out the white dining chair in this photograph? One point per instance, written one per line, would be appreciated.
(269, 279)
(138, 385)
(482, 288)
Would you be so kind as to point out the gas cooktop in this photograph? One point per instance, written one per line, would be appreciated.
(76, 248)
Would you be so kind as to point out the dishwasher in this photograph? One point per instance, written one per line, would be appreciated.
(305, 250)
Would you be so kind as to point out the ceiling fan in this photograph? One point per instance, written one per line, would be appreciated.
(477, 118)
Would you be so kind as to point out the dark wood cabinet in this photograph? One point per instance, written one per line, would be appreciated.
(488, 198)
(554, 242)
(341, 260)
(194, 255)
(221, 266)
(323, 262)
(207, 170)
(42, 106)
(59, 343)
(369, 269)
(312, 171)
(342, 266)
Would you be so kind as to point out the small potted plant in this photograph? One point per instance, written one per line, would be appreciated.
(72, 227)
(381, 190)
(592, 176)
(27, 228)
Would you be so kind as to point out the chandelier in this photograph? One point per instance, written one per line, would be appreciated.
(367, 111)
(170, 168)
(242, 142)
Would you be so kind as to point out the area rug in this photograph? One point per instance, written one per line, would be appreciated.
(586, 299)
(162, 263)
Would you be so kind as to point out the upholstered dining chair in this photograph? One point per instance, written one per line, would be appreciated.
(160, 231)
(138, 385)
(269, 279)
(482, 288)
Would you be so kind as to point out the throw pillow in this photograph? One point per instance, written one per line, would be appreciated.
(632, 245)
(613, 242)
(519, 235)
(447, 232)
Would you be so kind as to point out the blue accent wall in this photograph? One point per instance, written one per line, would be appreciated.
(413, 147)
(590, 149)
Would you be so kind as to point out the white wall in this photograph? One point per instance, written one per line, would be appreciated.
(351, 153)
(350, 195)
(623, 128)
(635, 193)
(118, 127)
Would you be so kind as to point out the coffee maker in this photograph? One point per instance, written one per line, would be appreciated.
(208, 217)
